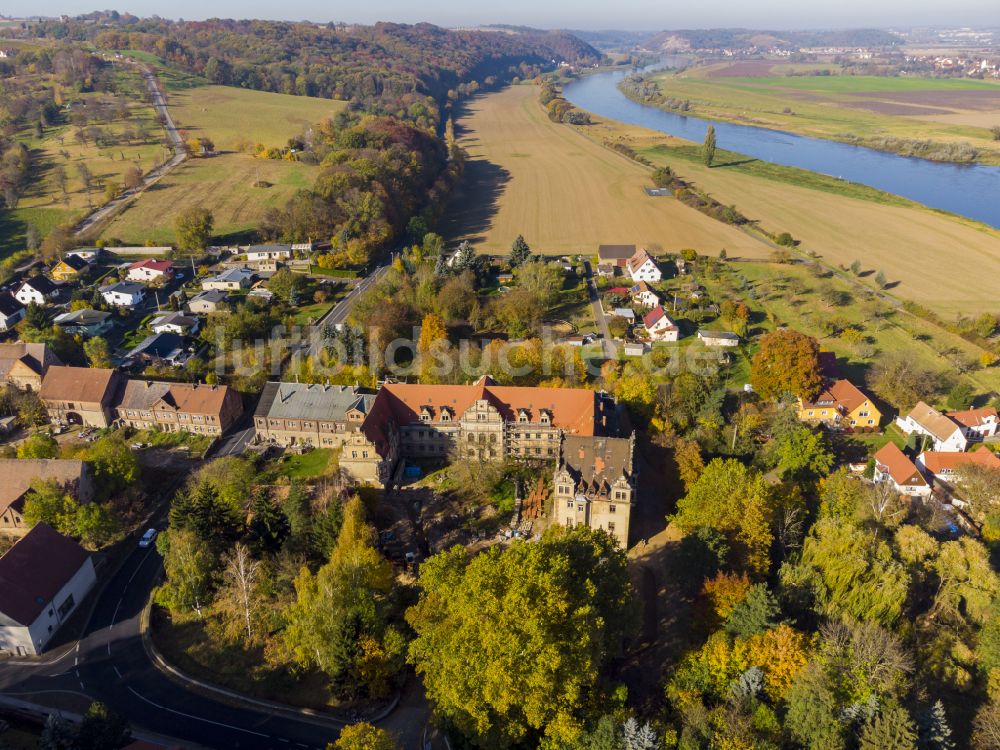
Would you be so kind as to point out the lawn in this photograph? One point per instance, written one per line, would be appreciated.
(842, 106)
(840, 223)
(565, 194)
(308, 465)
(309, 314)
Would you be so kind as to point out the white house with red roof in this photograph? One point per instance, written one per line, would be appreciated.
(977, 424)
(642, 267)
(43, 579)
(150, 270)
(659, 326)
(643, 295)
(947, 434)
(892, 466)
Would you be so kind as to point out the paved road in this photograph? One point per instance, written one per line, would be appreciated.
(608, 348)
(160, 104)
(339, 312)
(110, 664)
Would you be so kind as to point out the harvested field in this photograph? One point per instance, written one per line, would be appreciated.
(742, 70)
(563, 192)
(904, 242)
(896, 109)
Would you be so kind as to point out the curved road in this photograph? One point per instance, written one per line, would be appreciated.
(160, 105)
(110, 664)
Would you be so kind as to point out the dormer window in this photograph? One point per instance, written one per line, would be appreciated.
(425, 414)
(446, 415)
(522, 416)
(546, 418)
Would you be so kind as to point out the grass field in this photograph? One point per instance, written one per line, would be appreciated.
(229, 115)
(843, 106)
(907, 242)
(225, 183)
(564, 193)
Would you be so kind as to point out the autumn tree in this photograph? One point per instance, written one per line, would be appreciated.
(364, 736)
(735, 500)
(787, 362)
(190, 569)
(240, 597)
(337, 622)
(39, 445)
(97, 351)
(432, 349)
(565, 602)
(193, 228)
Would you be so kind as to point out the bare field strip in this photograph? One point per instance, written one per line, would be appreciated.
(950, 265)
(563, 192)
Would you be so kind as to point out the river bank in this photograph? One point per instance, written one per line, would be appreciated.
(844, 122)
(964, 190)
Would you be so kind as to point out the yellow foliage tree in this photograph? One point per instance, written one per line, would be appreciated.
(781, 653)
(725, 591)
(432, 348)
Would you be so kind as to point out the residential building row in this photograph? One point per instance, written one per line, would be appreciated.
(100, 397)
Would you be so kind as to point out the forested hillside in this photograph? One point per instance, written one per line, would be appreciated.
(386, 68)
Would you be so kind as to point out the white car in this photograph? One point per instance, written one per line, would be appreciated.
(147, 539)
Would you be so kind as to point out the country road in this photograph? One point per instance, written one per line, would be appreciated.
(160, 105)
(609, 349)
(111, 664)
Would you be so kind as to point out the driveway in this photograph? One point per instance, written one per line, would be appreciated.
(609, 350)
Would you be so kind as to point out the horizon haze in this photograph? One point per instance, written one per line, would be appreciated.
(632, 15)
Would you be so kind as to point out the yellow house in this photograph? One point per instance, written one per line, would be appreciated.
(68, 269)
(841, 404)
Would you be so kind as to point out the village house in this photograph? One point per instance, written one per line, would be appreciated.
(150, 271)
(81, 395)
(37, 289)
(659, 326)
(89, 254)
(944, 466)
(482, 421)
(269, 252)
(86, 323)
(123, 293)
(643, 295)
(232, 279)
(976, 424)
(175, 322)
(24, 365)
(948, 435)
(179, 407)
(625, 313)
(310, 414)
(841, 404)
(892, 466)
(11, 311)
(69, 268)
(595, 484)
(19, 475)
(606, 270)
(642, 267)
(43, 578)
(718, 338)
(614, 255)
(211, 301)
(159, 349)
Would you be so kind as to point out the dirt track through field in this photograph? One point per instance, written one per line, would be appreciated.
(527, 175)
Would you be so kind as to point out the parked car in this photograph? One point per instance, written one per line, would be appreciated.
(147, 539)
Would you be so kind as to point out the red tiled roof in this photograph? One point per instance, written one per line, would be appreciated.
(84, 384)
(653, 317)
(937, 461)
(973, 417)
(895, 463)
(155, 265)
(839, 393)
(34, 570)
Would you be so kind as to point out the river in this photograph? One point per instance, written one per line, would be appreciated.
(970, 190)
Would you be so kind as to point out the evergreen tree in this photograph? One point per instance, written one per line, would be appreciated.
(891, 728)
(710, 145)
(757, 612)
(269, 526)
(58, 734)
(519, 251)
(934, 732)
